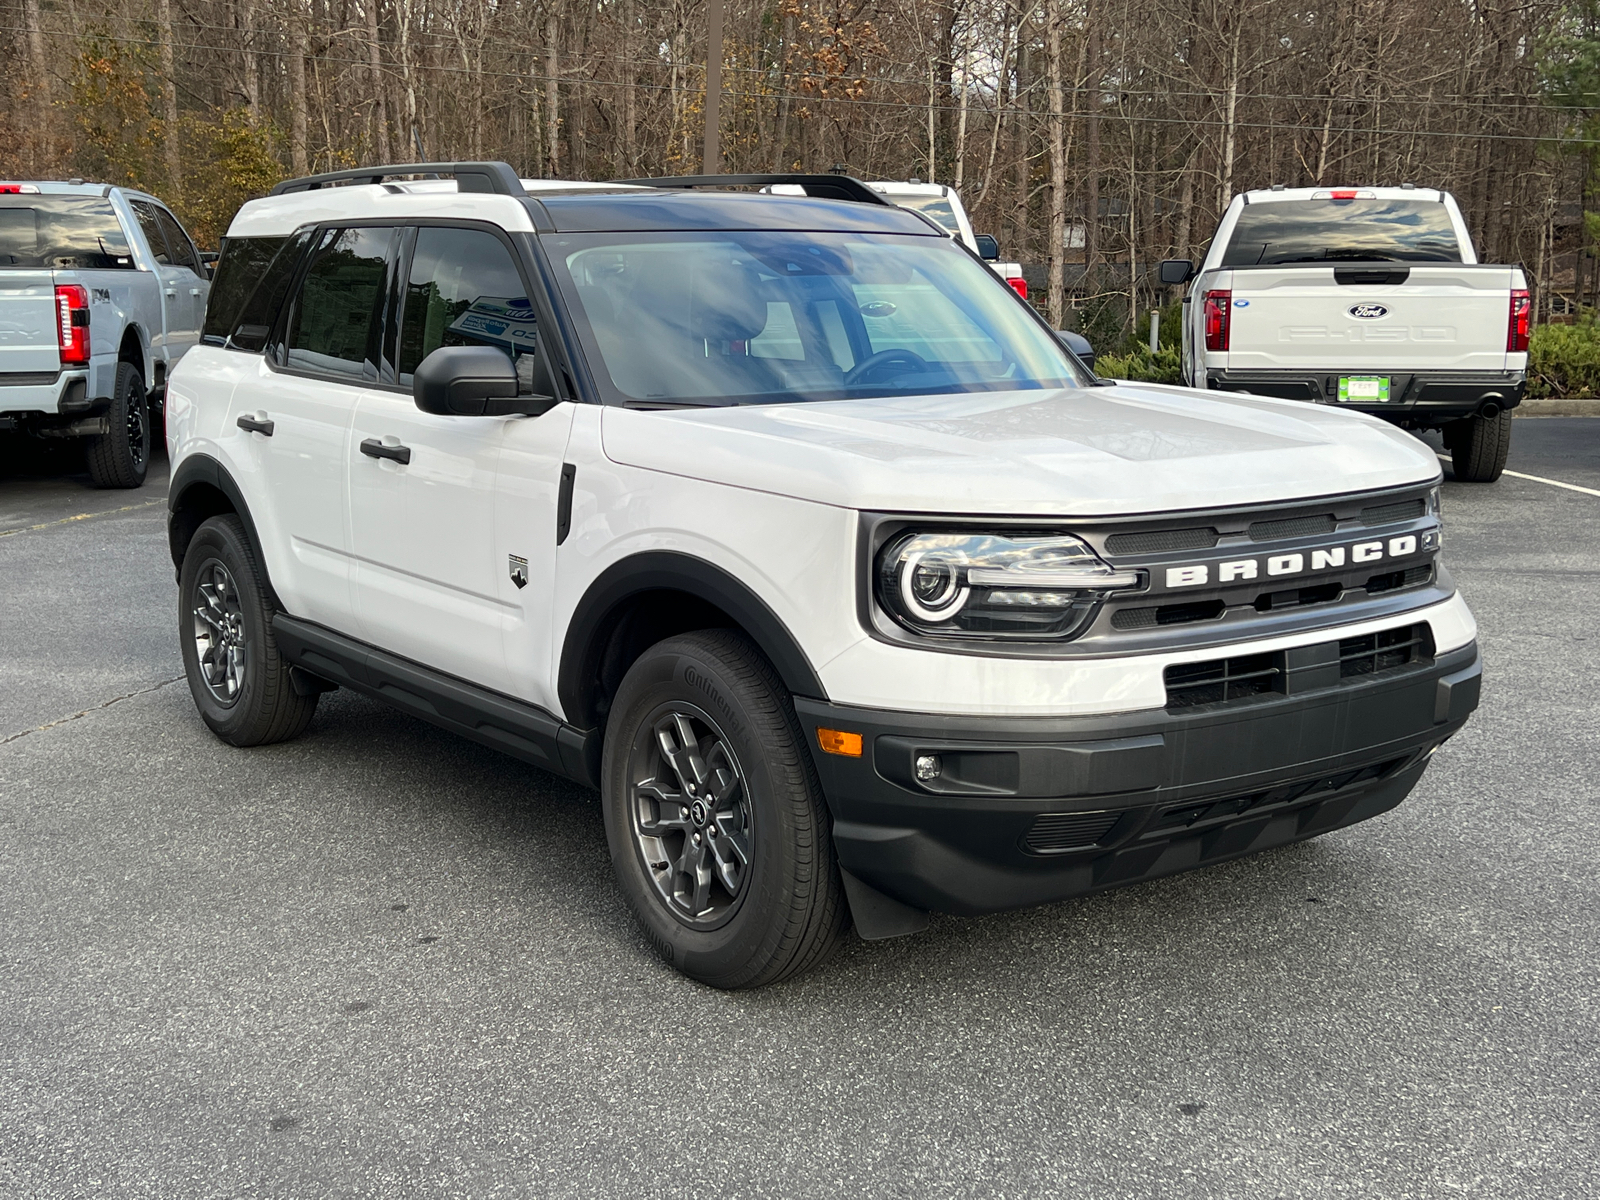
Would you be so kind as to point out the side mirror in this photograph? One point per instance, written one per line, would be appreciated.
(988, 248)
(1177, 270)
(208, 262)
(1079, 345)
(473, 381)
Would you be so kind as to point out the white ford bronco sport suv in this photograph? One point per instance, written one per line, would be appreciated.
(792, 529)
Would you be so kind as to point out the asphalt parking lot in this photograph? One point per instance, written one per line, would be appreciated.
(380, 961)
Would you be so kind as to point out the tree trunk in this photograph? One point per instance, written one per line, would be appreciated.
(630, 109)
(552, 94)
(43, 93)
(380, 109)
(1093, 98)
(299, 162)
(1056, 304)
(169, 103)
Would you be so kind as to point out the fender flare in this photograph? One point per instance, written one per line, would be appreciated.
(655, 570)
(201, 470)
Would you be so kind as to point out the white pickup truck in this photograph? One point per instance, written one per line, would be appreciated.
(101, 292)
(1369, 298)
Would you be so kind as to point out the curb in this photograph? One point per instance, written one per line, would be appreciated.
(1578, 407)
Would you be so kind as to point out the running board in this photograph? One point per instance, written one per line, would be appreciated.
(503, 723)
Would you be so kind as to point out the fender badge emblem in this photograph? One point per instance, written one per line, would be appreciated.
(519, 571)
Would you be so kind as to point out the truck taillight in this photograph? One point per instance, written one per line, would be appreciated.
(1216, 316)
(1517, 330)
(1019, 285)
(72, 323)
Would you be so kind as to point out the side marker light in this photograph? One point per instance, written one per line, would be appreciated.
(837, 741)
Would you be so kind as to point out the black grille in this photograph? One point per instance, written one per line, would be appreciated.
(1395, 580)
(1321, 593)
(1388, 514)
(1168, 614)
(1069, 831)
(1222, 679)
(1183, 816)
(1293, 527)
(1375, 652)
(1161, 541)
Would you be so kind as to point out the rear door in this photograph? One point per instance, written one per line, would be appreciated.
(177, 307)
(189, 304)
(1375, 317)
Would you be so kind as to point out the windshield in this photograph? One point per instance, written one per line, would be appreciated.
(936, 208)
(1293, 231)
(719, 318)
(62, 232)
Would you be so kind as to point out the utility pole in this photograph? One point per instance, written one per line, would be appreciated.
(712, 159)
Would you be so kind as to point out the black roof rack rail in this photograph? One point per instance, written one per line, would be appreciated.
(825, 187)
(492, 178)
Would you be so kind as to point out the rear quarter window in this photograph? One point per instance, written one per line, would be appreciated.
(1314, 231)
(251, 283)
(63, 233)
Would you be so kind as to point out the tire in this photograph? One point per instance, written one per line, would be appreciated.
(119, 458)
(242, 686)
(765, 900)
(1478, 447)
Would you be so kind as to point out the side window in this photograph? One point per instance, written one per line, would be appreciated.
(256, 319)
(182, 248)
(146, 212)
(333, 324)
(243, 263)
(463, 290)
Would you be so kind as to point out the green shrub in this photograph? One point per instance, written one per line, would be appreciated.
(1564, 360)
(1139, 365)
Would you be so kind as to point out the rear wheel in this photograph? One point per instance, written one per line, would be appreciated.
(239, 681)
(119, 457)
(1478, 446)
(716, 824)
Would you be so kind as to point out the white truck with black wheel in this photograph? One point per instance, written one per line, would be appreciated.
(101, 293)
(1370, 299)
(785, 524)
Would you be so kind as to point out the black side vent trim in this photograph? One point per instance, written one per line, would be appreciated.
(569, 473)
(1055, 832)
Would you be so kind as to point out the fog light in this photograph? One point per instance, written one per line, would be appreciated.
(928, 767)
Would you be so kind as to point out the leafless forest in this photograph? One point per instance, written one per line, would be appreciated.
(1101, 135)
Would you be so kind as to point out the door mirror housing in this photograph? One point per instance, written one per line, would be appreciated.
(988, 248)
(473, 381)
(1079, 345)
(1177, 271)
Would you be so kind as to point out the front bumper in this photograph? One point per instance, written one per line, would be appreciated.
(1416, 397)
(1029, 810)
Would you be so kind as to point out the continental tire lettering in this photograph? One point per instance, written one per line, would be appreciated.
(700, 683)
(1187, 576)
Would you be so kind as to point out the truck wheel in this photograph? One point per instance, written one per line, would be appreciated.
(1478, 446)
(718, 832)
(118, 459)
(239, 681)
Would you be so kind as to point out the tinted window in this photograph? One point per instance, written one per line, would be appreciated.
(260, 312)
(332, 328)
(726, 318)
(463, 290)
(62, 231)
(937, 208)
(243, 265)
(178, 241)
(152, 231)
(1292, 231)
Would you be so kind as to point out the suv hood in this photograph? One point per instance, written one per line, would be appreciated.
(1132, 448)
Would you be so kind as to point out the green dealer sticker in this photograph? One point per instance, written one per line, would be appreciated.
(1364, 389)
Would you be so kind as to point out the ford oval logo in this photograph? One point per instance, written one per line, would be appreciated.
(1368, 312)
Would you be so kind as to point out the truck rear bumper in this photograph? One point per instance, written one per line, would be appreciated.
(1425, 398)
(1025, 811)
(45, 392)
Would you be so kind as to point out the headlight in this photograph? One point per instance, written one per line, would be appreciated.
(981, 585)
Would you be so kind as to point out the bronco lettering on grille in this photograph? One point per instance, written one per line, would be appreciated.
(1279, 565)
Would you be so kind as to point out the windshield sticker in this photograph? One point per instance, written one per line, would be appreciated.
(498, 319)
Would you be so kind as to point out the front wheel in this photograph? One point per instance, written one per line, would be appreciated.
(715, 821)
(239, 681)
(1478, 446)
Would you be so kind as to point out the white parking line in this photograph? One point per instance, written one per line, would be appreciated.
(1571, 487)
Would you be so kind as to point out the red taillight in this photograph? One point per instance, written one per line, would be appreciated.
(1344, 193)
(1216, 314)
(1020, 286)
(1517, 331)
(72, 323)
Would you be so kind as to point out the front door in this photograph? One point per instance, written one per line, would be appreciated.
(430, 584)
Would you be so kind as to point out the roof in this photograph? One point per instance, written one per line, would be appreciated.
(570, 206)
(1326, 192)
(896, 187)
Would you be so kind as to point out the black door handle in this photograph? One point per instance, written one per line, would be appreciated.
(264, 428)
(373, 448)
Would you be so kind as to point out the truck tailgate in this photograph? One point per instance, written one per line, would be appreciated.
(1444, 316)
(28, 342)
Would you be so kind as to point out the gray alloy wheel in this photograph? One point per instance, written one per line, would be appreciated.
(219, 632)
(692, 819)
